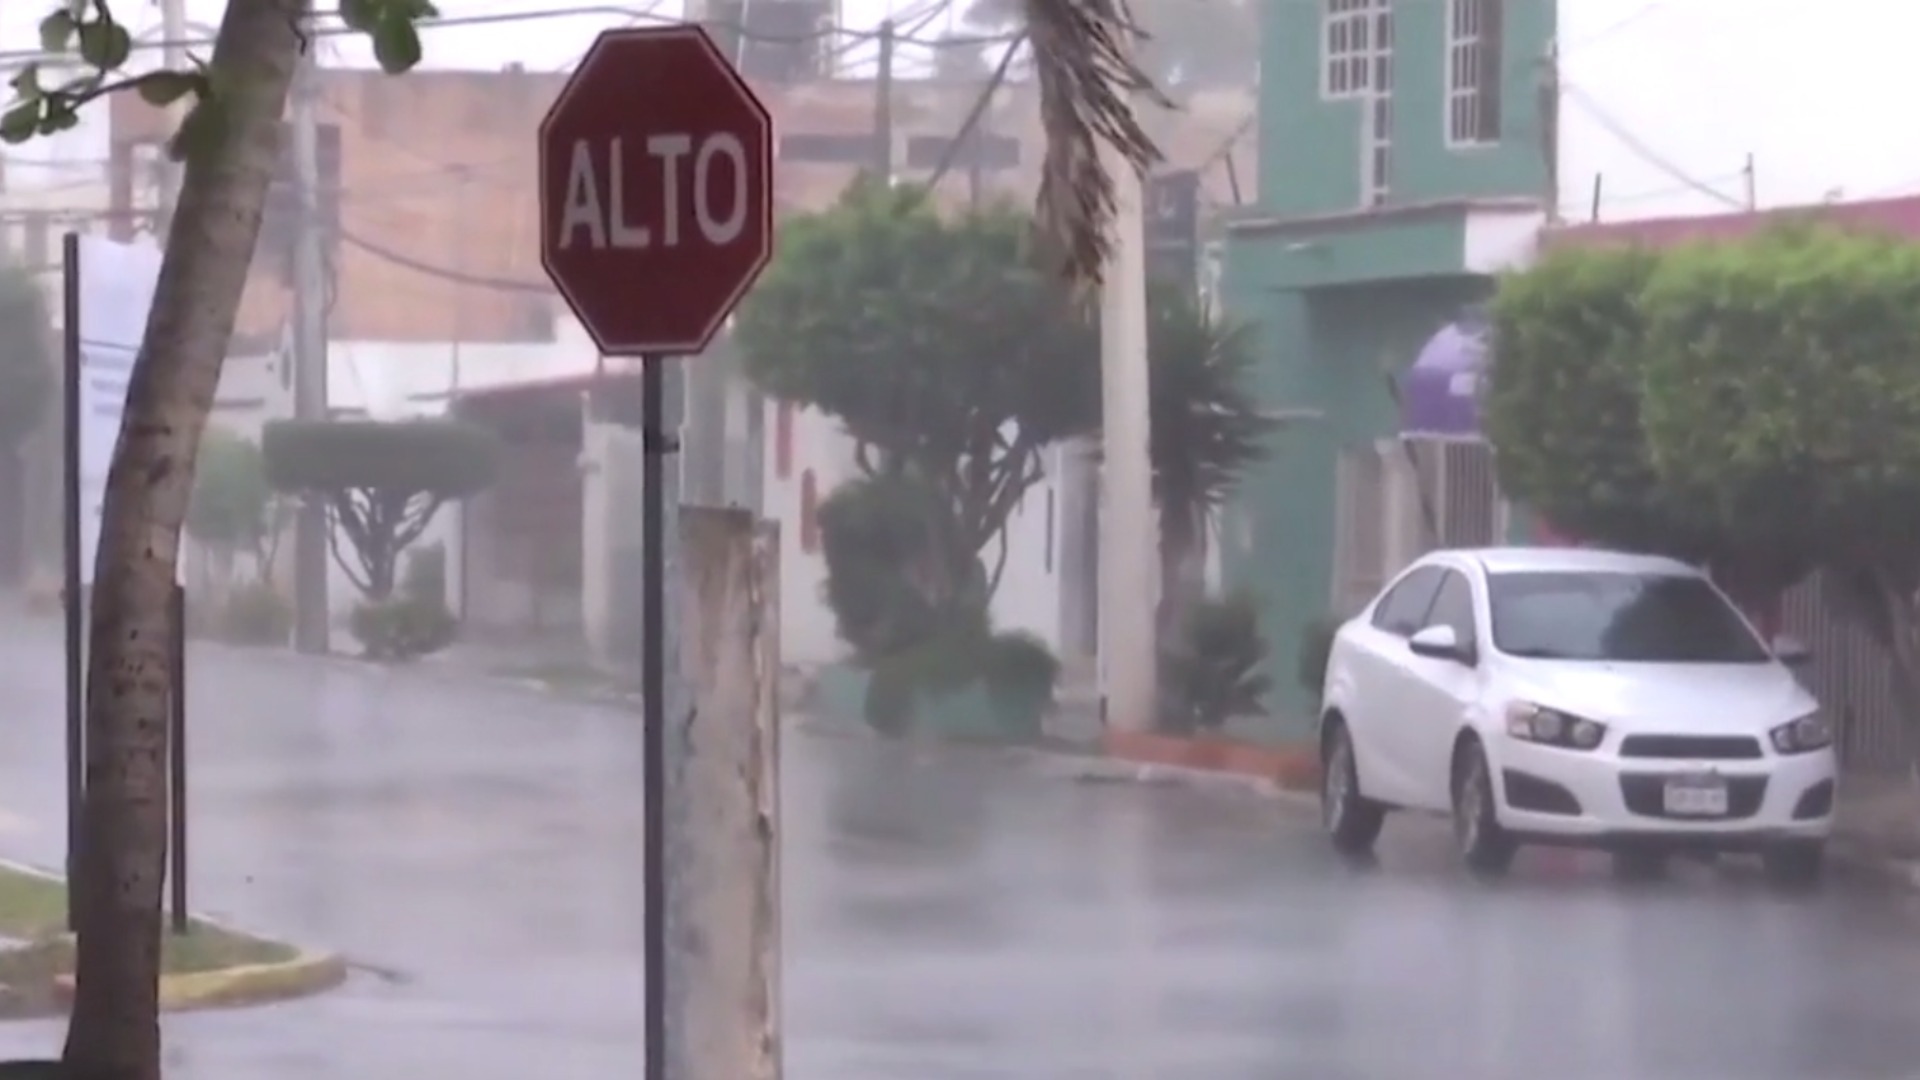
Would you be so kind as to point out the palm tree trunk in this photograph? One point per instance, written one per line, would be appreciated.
(115, 1025)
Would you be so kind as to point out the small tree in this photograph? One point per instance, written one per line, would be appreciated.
(382, 482)
(1783, 393)
(27, 367)
(234, 509)
(944, 346)
(1562, 404)
(1208, 429)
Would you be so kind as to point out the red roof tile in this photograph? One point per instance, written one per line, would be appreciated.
(1900, 217)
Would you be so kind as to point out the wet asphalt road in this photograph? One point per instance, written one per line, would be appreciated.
(950, 916)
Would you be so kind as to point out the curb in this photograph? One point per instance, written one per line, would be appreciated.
(306, 973)
(248, 984)
(1110, 770)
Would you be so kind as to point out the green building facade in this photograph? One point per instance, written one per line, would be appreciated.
(1403, 163)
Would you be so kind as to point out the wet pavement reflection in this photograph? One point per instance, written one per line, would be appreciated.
(950, 915)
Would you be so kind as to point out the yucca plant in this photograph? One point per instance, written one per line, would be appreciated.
(1216, 669)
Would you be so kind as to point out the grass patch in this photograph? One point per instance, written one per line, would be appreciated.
(33, 912)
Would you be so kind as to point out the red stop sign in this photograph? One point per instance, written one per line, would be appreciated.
(656, 190)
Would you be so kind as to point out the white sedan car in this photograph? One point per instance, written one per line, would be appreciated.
(1573, 697)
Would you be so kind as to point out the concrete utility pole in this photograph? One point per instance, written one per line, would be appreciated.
(310, 289)
(883, 108)
(1129, 536)
(723, 805)
(173, 54)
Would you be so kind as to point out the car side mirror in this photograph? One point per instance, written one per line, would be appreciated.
(1791, 650)
(1437, 642)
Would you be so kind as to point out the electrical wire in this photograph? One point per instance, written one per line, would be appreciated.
(1585, 103)
(952, 151)
(634, 15)
(445, 273)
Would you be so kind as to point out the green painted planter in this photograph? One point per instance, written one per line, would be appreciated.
(971, 713)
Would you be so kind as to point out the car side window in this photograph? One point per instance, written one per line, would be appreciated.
(1403, 609)
(1453, 606)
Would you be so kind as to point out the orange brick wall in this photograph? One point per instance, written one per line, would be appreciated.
(439, 166)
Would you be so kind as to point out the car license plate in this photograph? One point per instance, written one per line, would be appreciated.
(1696, 796)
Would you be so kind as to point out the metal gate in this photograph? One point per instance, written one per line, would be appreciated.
(1397, 499)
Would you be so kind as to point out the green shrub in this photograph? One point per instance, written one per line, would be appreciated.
(1017, 671)
(254, 614)
(403, 627)
(1019, 667)
(1316, 650)
(1217, 669)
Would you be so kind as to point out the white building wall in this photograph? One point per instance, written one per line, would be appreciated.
(1665, 99)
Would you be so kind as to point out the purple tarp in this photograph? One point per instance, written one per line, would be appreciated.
(1440, 393)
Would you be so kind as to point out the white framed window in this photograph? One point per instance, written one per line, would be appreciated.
(1350, 37)
(1474, 44)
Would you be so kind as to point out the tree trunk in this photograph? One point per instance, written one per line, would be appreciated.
(115, 1025)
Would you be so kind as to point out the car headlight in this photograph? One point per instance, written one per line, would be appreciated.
(1808, 733)
(1551, 727)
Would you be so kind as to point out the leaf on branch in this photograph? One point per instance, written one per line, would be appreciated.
(57, 30)
(360, 15)
(396, 42)
(204, 127)
(105, 45)
(163, 88)
(20, 123)
(61, 116)
(26, 84)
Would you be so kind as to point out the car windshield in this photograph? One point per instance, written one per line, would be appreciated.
(1629, 617)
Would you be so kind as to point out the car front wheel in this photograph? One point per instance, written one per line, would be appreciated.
(1485, 847)
(1352, 820)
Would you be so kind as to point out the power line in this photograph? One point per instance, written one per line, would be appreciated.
(1586, 104)
(633, 15)
(444, 273)
(952, 151)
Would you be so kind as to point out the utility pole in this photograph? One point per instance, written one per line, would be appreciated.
(1753, 184)
(722, 805)
(1129, 536)
(883, 108)
(173, 53)
(312, 623)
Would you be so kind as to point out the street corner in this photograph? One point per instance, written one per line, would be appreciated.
(241, 985)
(1162, 761)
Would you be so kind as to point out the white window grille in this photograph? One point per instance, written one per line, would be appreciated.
(1354, 32)
(1473, 72)
(1376, 168)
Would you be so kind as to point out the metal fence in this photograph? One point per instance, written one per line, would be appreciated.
(1853, 677)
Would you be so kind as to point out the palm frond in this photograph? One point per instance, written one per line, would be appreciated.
(1090, 85)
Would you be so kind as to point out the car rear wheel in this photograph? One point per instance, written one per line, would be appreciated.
(1485, 847)
(1796, 864)
(1352, 820)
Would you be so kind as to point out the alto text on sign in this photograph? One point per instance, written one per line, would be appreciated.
(601, 185)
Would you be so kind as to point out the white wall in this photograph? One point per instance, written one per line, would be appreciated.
(1029, 594)
(1816, 92)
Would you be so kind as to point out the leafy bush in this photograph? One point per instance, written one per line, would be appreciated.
(895, 579)
(1216, 670)
(402, 627)
(414, 623)
(1017, 671)
(254, 614)
(1316, 650)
